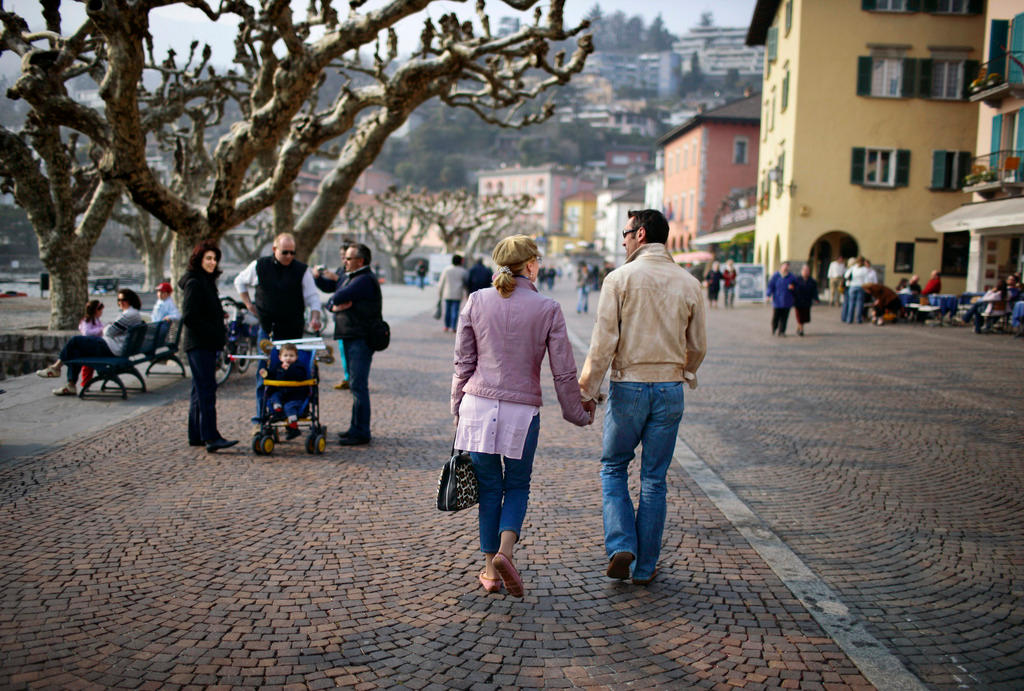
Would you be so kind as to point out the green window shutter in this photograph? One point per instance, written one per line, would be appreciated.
(857, 166)
(938, 170)
(930, 5)
(785, 91)
(998, 42)
(970, 74)
(772, 44)
(997, 134)
(864, 76)
(924, 78)
(964, 164)
(782, 174)
(1014, 74)
(789, 16)
(913, 5)
(909, 72)
(976, 7)
(902, 168)
(867, 4)
(1019, 148)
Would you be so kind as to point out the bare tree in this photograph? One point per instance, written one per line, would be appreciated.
(53, 175)
(392, 225)
(247, 244)
(150, 238)
(465, 222)
(285, 117)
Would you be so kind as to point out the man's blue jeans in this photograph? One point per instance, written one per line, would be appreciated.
(359, 357)
(451, 313)
(647, 412)
(853, 308)
(503, 496)
(582, 299)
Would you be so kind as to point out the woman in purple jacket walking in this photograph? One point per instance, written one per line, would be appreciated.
(503, 333)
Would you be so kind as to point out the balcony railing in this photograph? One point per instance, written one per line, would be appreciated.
(999, 79)
(996, 171)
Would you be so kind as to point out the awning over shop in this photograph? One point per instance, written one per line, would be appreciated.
(720, 236)
(692, 257)
(995, 215)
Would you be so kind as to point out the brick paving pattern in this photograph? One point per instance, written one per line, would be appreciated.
(889, 459)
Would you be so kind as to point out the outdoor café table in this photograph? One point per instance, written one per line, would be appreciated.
(1018, 314)
(947, 304)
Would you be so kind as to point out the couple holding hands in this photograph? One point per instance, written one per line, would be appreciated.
(650, 330)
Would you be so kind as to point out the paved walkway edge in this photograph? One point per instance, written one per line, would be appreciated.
(873, 659)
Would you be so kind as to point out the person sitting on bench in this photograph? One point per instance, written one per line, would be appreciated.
(110, 344)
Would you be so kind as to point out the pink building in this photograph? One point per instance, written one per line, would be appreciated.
(706, 159)
(549, 185)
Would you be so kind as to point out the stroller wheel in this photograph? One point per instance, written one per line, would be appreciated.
(316, 444)
(266, 444)
(257, 446)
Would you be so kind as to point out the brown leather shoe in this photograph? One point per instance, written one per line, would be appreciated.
(618, 565)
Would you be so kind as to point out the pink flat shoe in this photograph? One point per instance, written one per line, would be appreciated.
(491, 585)
(509, 575)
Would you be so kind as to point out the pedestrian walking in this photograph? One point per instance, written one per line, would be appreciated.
(205, 334)
(504, 333)
(729, 283)
(836, 269)
(855, 277)
(650, 330)
(583, 282)
(713, 281)
(451, 288)
(781, 288)
(805, 294)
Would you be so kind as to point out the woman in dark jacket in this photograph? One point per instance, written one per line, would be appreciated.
(205, 334)
(805, 294)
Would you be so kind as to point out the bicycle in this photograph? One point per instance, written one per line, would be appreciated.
(243, 339)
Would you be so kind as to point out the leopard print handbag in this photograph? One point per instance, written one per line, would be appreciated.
(457, 486)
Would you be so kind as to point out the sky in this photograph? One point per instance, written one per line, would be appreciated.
(179, 24)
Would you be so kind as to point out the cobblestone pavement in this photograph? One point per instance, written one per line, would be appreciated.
(131, 560)
(890, 460)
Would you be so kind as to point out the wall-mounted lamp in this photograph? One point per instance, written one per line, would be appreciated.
(774, 174)
(792, 189)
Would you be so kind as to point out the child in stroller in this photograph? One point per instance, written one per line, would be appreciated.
(287, 403)
(289, 393)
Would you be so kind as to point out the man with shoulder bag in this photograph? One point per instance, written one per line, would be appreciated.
(357, 303)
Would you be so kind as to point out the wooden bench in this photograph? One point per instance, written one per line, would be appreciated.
(141, 345)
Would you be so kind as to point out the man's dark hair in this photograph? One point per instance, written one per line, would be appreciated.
(653, 222)
(456, 259)
(362, 250)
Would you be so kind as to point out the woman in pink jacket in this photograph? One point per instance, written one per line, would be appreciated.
(503, 334)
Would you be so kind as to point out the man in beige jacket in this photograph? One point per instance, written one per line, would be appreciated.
(650, 330)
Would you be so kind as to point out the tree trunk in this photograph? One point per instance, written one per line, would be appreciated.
(397, 269)
(184, 242)
(69, 289)
(153, 259)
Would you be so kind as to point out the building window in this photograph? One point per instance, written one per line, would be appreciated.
(880, 167)
(951, 6)
(947, 79)
(789, 16)
(904, 261)
(886, 77)
(891, 5)
(739, 150)
(949, 168)
(785, 90)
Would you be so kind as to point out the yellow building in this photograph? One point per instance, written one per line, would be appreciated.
(866, 131)
(578, 223)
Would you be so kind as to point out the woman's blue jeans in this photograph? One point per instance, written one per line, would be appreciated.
(451, 314)
(647, 412)
(503, 496)
(853, 308)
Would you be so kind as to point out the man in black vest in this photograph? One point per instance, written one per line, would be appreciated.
(284, 287)
(357, 305)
